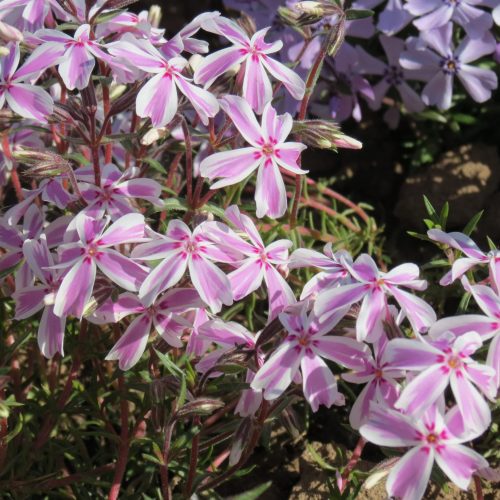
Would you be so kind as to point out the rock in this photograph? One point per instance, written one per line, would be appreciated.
(466, 179)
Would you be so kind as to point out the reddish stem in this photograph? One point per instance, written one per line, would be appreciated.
(13, 175)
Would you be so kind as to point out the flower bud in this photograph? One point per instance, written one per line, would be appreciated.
(43, 164)
(4, 51)
(324, 134)
(202, 406)
(153, 135)
(247, 23)
(10, 34)
(154, 15)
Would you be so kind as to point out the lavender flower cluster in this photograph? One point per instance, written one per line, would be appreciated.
(84, 243)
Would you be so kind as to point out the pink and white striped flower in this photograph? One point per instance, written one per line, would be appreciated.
(253, 54)
(381, 383)
(268, 152)
(334, 271)
(74, 55)
(31, 299)
(182, 249)
(305, 345)
(431, 439)
(259, 262)
(473, 257)
(26, 100)
(115, 196)
(94, 250)
(442, 362)
(158, 98)
(164, 315)
(487, 326)
(372, 287)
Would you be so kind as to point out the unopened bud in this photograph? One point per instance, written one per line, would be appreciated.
(202, 406)
(320, 8)
(43, 164)
(4, 51)
(154, 16)
(247, 23)
(153, 135)
(296, 19)
(9, 33)
(195, 61)
(324, 134)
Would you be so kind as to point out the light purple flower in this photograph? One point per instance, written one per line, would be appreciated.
(164, 315)
(392, 19)
(26, 100)
(253, 54)
(94, 250)
(433, 14)
(372, 287)
(117, 192)
(439, 68)
(393, 75)
(473, 257)
(268, 152)
(431, 438)
(305, 345)
(334, 271)
(488, 327)
(31, 299)
(381, 384)
(158, 98)
(27, 15)
(259, 262)
(442, 362)
(182, 249)
(228, 335)
(75, 55)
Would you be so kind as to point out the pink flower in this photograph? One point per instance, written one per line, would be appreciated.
(373, 287)
(228, 335)
(74, 55)
(259, 262)
(381, 385)
(488, 326)
(92, 250)
(334, 271)
(268, 152)
(442, 362)
(31, 299)
(473, 257)
(26, 100)
(116, 194)
(180, 249)
(158, 97)
(431, 438)
(164, 315)
(306, 344)
(253, 54)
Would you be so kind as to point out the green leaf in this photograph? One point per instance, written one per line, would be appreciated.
(353, 14)
(491, 244)
(443, 216)
(319, 460)
(156, 165)
(431, 210)
(418, 236)
(169, 365)
(471, 225)
(254, 493)
(433, 116)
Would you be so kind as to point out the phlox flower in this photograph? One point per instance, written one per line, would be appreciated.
(267, 152)
(393, 75)
(179, 250)
(442, 362)
(74, 55)
(372, 286)
(392, 18)
(197, 345)
(92, 250)
(27, 15)
(304, 347)
(431, 439)
(26, 100)
(227, 336)
(436, 13)
(473, 257)
(334, 271)
(442, 66)
(164, 315)
(381, 383)
(31, 299)
(487, 326)
(117, 192)
(158, 98)
(259, 262)
(253, 55)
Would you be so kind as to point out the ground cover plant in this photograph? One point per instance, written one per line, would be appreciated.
(175, 282)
